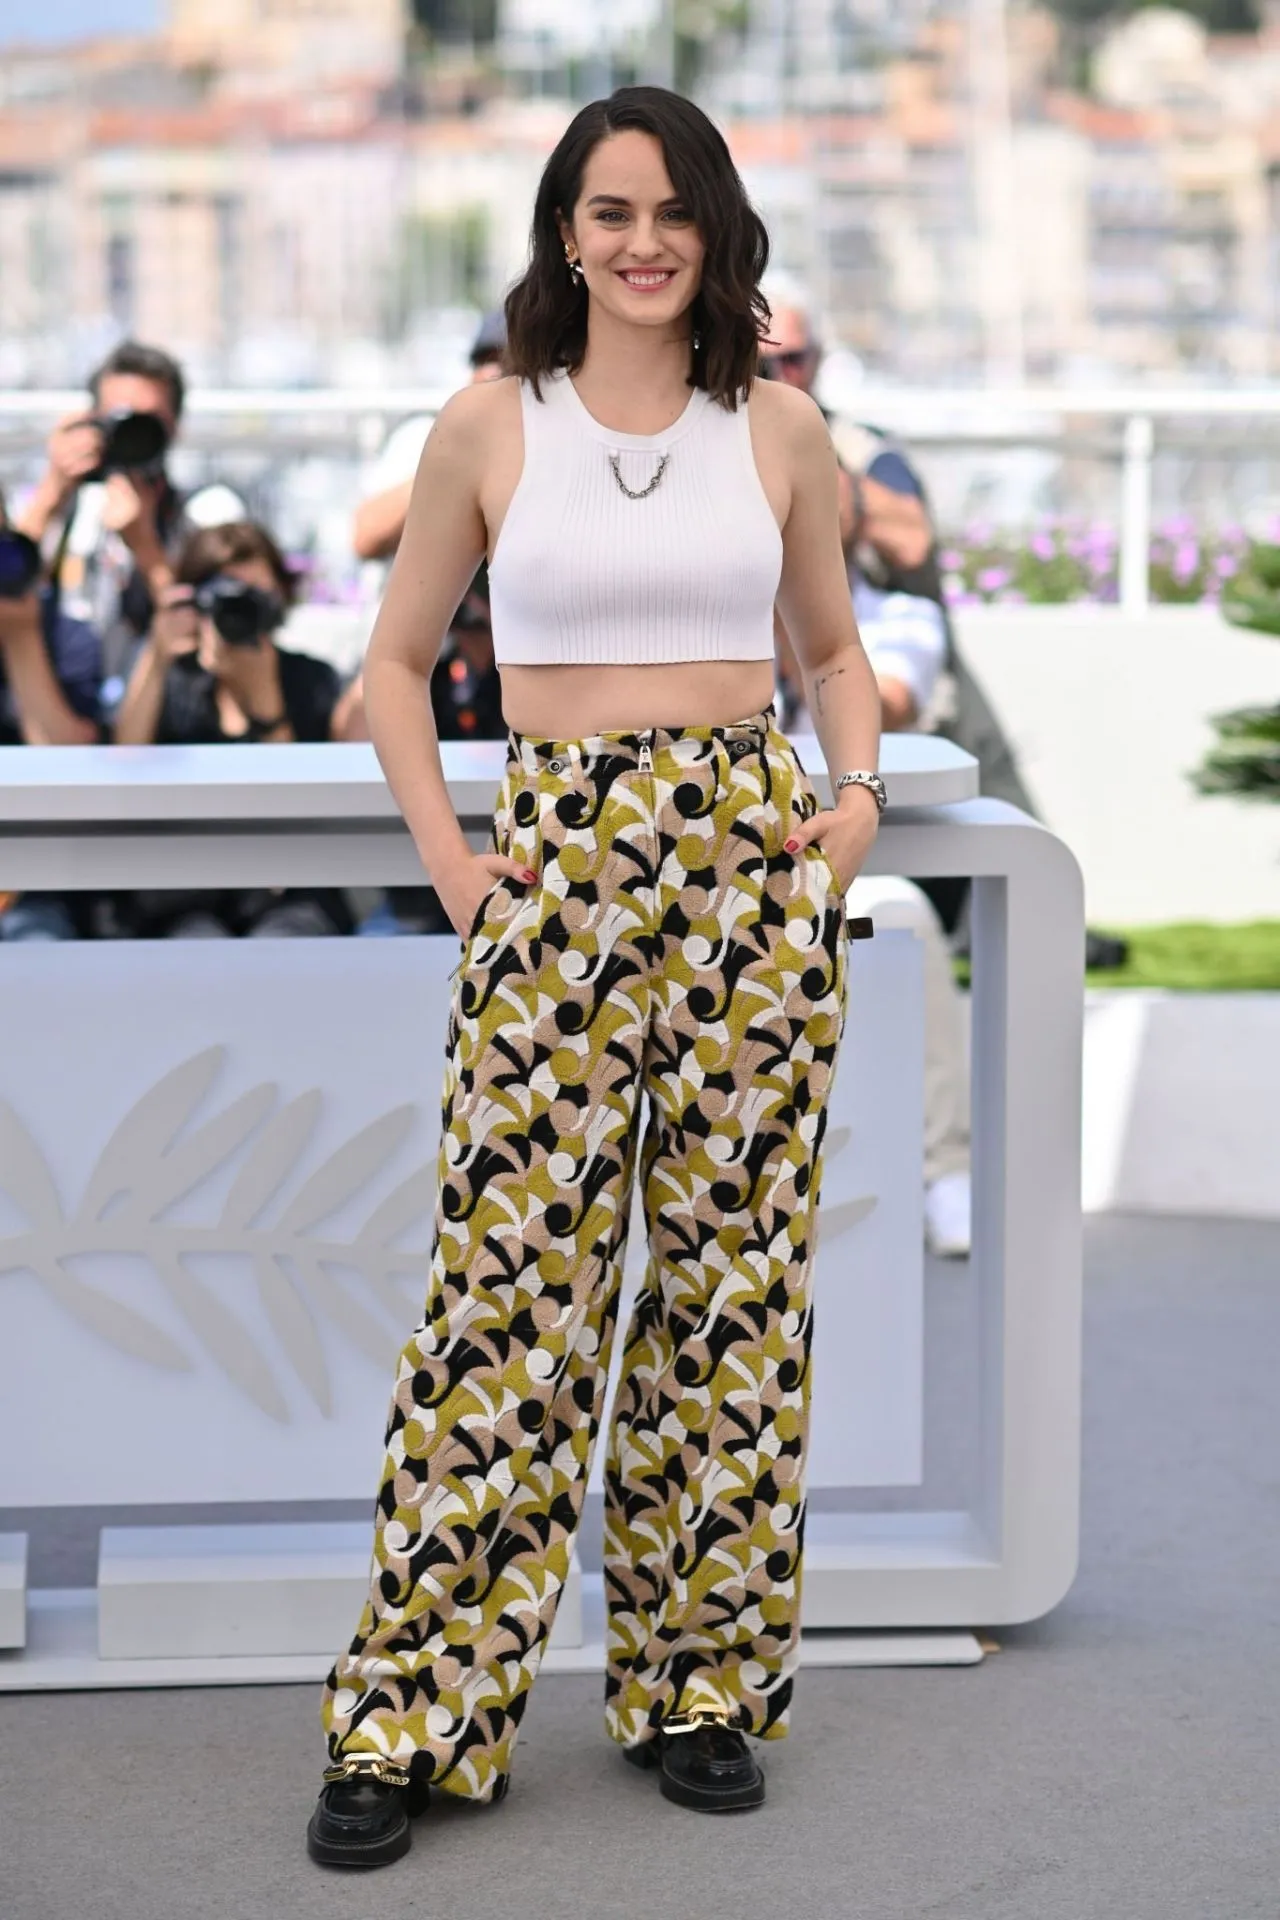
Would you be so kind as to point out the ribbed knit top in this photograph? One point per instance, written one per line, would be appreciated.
(584, 574)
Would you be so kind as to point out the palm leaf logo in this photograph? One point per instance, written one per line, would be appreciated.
(156, 1157)
(159, 1154)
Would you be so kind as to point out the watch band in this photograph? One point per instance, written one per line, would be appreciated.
(864, 778)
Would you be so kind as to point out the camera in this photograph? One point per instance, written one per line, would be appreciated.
(19, 564)
(131, 442)
(241, 614)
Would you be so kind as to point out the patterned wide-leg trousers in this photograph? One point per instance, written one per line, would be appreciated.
(672, 946)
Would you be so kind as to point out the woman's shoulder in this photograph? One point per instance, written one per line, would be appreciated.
(473, 423)
(482, 406)
(788, 412)
(788, 432)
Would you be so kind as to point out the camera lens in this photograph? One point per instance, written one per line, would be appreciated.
(241, 614)
(131, 441)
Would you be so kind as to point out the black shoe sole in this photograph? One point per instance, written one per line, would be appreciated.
(700, 1799)
(355, 1853)
(711, 1799)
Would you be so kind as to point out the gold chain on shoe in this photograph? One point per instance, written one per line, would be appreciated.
(695, 1718)
(354, 1766)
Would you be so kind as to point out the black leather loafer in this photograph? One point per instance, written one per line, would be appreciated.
(705, 1764)
(363, 1814)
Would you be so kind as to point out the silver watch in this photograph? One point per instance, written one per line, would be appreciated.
(865, 779)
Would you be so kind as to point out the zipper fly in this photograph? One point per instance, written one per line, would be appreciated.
(646, 751)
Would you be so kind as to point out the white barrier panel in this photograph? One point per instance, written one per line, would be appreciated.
(13, 1590)
(217, 1170)
(249, 1592)
(321, 1135)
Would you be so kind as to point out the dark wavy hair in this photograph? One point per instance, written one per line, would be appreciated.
(547, 309)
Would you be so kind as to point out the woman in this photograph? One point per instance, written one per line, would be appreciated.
(662, 911)
(210, 673)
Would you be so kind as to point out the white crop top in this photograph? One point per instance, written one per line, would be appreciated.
(582, 573)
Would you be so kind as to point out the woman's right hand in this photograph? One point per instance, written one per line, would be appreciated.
(464, 889)
(175, 627)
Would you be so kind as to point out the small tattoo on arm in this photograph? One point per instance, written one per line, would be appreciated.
(820, 683)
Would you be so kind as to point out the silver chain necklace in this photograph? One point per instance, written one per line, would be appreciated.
(643, 492)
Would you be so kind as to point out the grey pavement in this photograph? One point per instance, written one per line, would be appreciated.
(1117, 1761)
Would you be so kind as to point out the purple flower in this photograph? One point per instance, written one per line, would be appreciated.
(1186, 561)
(1225, 565)
(950, 560)
(1043, 546)
(991, 579)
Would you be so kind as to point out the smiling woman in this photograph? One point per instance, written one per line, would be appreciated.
(654, 950)
(707, 243)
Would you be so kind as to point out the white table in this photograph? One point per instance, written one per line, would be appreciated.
(87, 818)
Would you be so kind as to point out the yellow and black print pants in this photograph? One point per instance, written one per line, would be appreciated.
(670, 945)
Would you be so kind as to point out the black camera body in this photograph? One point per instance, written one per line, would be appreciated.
(20, 564)
(243, 615)
(131, 442)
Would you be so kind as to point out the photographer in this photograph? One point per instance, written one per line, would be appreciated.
(379, 518)
(120, 519)
(210, 672)
(49, 675)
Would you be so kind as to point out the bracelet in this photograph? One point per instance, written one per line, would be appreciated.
(862, 778)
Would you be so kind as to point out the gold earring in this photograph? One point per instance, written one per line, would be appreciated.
(574, 265)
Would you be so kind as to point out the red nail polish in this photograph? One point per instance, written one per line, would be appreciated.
(530, 875)
(792, 845)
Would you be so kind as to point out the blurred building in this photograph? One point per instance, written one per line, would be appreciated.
(293, 191)
(266, 45)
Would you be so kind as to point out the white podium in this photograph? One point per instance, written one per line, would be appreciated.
(212, 1210)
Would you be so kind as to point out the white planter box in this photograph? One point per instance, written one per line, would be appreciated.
(1108, 715)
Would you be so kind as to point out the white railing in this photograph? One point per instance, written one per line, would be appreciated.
(956, 416)
(1002, 415)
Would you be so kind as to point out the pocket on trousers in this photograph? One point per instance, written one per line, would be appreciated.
(486, 916)
(482, 911)
(835, 887)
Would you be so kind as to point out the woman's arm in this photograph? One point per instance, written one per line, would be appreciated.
(138, 717)
(174, 631)
(350, 721)
(895, 524)
(379, 522)
(44, 714)
(444, 541)
(817, 612)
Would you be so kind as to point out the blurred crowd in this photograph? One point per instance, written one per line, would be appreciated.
(133, 612)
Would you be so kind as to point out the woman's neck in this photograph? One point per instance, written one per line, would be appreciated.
(635, 379)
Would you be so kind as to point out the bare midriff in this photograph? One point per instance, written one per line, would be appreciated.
(571, 702)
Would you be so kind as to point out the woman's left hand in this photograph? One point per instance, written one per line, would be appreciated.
(846, 833)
